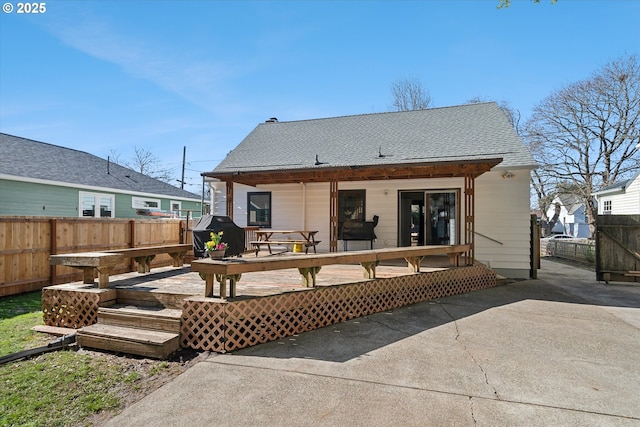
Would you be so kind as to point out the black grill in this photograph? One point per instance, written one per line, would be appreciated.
(232, 234)
(358, 230)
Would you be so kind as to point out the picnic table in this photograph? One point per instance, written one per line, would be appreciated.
(305, 240)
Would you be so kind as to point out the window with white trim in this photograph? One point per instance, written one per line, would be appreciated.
(145, 203)
(176, 207)
(97, 205)
(606, 207)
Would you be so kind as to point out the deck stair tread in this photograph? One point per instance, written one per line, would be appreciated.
(141, 342)
(168, 313)
(144, 331)
(127, 333)
(159, 319)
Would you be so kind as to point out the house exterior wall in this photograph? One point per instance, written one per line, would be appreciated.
(623, 203)
(574, 223)
(502, 214)
(502, 223)
(20, 198)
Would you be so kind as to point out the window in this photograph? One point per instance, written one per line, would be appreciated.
(144, 203)
(259, 209)
(351, 205)
(104, 202)
(176, 207)
(606, 207)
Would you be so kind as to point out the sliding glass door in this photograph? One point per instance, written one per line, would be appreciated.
(428, 217)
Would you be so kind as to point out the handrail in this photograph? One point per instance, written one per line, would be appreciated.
(488, 238)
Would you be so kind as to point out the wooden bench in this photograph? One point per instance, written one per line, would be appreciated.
(144, 255)
(230, 270)
(89, 262)
(268, 243)
(104, 261)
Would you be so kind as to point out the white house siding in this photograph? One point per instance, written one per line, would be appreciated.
(501, 213)
(625, 202)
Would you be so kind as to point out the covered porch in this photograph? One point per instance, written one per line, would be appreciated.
(467, 170)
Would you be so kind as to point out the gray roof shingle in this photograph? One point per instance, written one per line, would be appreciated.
(26, 158)
(466, 132)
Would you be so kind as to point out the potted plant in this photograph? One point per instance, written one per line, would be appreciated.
(215, 247)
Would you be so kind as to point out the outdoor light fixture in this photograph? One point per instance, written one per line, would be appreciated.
(508, 175)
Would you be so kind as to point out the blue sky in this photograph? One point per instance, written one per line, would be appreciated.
(109, 75)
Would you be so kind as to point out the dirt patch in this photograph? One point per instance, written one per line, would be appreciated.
(143, 375)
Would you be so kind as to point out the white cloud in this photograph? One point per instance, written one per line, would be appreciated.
(200, 82)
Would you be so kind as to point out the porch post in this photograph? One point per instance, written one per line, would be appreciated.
(469, 221)
(333, 216)
(230, 199)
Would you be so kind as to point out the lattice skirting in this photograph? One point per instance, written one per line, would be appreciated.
(213, 325)
(73, 308)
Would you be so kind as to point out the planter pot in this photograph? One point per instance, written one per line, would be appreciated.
(216, 254)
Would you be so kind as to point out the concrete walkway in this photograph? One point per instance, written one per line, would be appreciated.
(560, 350)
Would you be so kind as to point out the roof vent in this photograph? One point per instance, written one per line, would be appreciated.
(272, 120)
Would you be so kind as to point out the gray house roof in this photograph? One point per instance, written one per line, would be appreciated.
(619, 186)
(26, 158)
(460, 133)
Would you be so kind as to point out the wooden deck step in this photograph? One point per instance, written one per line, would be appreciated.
(159, 319)
(149, 299)
(142, 342)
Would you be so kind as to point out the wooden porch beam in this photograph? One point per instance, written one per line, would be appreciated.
(333, 216)
(230, 199)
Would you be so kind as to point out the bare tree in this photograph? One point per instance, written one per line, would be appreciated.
(584, 135)
(506, 3)
(409, 94)
(145, 162)
(513, 115)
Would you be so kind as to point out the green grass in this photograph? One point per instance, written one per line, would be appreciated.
(56, 389)
(18, 314)
(60, 388)
(63, 388)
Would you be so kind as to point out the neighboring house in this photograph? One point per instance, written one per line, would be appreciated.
(40, 179)
(438, 176)
(567, 214)
(621, 198)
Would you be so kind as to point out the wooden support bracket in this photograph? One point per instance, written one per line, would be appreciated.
(369, 269)
(414, 263)
(309, 276)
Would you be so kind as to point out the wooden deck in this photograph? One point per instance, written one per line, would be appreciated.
(270, 305)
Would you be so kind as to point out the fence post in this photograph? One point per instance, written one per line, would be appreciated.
(132, 243)
(53, 249)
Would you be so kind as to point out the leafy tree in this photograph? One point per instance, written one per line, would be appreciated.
(409, 94)
(584, 135)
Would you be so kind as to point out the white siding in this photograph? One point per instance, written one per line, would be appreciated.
(501, 213)
(625, 202)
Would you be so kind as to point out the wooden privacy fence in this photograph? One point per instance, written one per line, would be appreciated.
(27, 242)
(618, 248)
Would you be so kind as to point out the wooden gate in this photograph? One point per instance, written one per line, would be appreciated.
(618, 248)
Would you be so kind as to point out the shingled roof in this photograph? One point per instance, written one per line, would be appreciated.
(25, 158)
(452, 134)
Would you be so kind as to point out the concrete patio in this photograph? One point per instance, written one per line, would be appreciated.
(559, 350)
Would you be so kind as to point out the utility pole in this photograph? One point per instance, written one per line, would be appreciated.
(184, 158)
